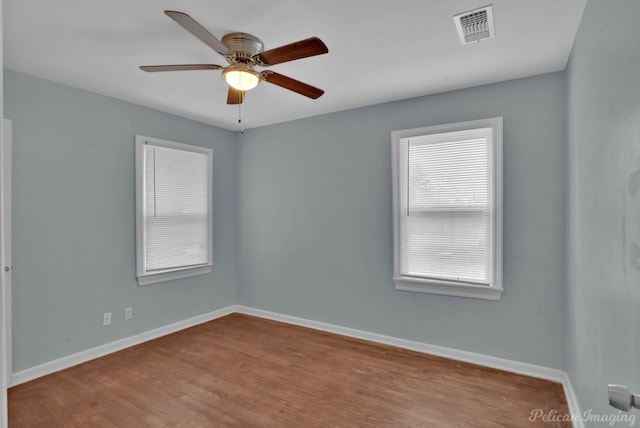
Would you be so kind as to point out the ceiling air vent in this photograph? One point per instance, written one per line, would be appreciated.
(475, 25)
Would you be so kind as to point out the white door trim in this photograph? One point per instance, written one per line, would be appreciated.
(6, 146)
(6, 156)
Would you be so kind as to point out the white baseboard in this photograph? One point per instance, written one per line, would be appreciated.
(572, 402)
(527, 369)
(109, 348)
(441, 351)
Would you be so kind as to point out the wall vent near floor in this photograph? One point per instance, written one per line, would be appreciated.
(475, 25)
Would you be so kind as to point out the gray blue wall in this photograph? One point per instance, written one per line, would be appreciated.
(313, 201)
(315, 222)
(73, 220)
(603, 262)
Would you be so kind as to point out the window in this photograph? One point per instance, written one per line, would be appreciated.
(173, 210)
(447, 209)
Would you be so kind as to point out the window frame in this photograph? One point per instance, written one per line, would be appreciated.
(143, 276)
(494, 290)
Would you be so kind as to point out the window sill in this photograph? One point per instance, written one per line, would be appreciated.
(152, 278)
(448, 288)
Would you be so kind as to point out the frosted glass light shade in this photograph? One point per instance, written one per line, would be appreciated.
(240, 78)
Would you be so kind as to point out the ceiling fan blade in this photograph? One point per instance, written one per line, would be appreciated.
(235, 96)
(180, 67)
(190, 24)
(298, 50)
(291, 84)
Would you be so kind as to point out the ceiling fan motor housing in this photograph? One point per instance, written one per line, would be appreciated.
(242, 46)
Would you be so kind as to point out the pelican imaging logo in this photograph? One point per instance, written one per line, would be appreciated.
(618, 419)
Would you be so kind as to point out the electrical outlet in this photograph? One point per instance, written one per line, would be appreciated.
(106, 318)
(128, 314)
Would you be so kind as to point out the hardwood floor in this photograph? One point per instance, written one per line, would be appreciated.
(242, 371)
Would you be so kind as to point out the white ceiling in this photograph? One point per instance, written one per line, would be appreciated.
(379, 50)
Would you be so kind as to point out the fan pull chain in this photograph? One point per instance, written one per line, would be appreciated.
(240, 118)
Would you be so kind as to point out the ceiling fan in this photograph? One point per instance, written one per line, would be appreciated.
(243, 52)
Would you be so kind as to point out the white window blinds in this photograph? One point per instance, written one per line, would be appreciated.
(447, 209)
(445, 206)
(176, 215)
(175, 205)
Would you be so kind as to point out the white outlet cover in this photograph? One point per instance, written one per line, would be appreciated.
(128, 314)
(106, 319)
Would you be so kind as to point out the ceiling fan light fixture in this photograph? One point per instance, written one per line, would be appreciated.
(244, 51)
(241, 77)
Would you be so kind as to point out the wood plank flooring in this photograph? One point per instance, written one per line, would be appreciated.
(242, 371)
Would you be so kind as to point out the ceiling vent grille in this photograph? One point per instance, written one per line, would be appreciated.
(475, 25)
